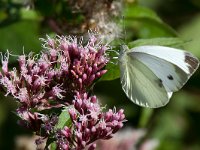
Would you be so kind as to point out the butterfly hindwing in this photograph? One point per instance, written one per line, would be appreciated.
(141, 85)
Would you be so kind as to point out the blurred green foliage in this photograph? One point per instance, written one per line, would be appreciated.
(176, 125)
(145, 23)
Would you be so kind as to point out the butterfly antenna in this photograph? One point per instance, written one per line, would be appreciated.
(124, 28)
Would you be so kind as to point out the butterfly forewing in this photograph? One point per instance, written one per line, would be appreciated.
(182, 59)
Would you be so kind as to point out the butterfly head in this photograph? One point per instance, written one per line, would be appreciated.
(122, 55)
(123, 48)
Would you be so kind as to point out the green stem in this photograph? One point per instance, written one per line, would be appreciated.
(145, 116)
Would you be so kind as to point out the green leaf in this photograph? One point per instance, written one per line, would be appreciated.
(136, 11)
(50, 141)
(112, 73)
(53, 146)
(64, 119)
(20, 36)
(28, 14)
(145, 23)
(170, 42)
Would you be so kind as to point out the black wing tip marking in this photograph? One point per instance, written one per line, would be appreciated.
(192, 61)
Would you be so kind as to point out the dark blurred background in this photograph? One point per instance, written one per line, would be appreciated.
(175, 126)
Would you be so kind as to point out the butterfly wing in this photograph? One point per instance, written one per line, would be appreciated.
(140, 84)
(172, 66)
(182, 59)
(149, 74)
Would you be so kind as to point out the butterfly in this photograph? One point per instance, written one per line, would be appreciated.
(150, 74)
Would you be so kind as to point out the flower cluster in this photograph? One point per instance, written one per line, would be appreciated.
(89, 124)
(62, 76)
(63, 68)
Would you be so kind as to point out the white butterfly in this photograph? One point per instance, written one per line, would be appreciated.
(150, 74)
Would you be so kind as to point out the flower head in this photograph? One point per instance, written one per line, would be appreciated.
(62, 75)
(89, 123)
(64, 67)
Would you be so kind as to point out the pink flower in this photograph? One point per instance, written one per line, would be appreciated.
(63, 68)
(87, 126)
(62, 75)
